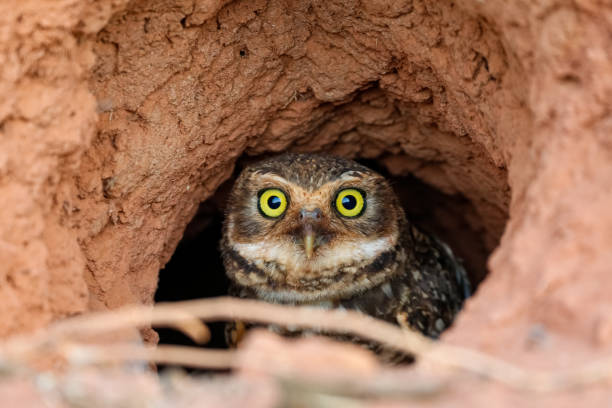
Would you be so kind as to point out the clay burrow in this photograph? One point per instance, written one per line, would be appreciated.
(120, 119)
(424, 91)
(123, 123)
(182, 96)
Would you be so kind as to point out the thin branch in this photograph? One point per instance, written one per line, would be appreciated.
(186, 356)
(97, 323)
(344, 321)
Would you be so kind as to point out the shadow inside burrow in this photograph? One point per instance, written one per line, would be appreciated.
(195, 270)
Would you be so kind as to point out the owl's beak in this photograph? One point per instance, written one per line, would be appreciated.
(309, 240)
(309, 218)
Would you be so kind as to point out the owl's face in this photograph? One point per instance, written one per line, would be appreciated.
(303, 228)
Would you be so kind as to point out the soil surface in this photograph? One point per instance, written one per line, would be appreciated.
(117, 119)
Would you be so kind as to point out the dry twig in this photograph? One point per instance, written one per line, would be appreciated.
(162, 354)
(345, 321)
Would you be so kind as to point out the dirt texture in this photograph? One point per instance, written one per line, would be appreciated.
(118, 118)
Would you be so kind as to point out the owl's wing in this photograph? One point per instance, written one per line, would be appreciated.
(456, 264)
(433, 286)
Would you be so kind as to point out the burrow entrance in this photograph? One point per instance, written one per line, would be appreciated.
(195, 270)
(186, 96)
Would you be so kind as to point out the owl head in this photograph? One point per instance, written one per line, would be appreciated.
(303, 228)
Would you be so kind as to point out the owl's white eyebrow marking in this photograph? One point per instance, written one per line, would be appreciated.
(274, 177)
(347, 176)
(350, 175)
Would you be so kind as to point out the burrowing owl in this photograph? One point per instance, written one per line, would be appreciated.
(305, 229)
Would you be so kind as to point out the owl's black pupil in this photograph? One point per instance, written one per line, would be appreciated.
(274, 202)
(349, 202)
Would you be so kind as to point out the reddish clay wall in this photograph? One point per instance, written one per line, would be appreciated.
(117, 119)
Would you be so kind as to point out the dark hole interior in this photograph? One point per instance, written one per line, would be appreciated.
(196, 271)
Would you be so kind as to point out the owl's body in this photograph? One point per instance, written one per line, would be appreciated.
(321, 230)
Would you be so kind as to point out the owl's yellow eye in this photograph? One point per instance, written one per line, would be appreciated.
(350, 202)
(272, 202)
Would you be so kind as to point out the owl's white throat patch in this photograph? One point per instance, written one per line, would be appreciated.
(326, 260)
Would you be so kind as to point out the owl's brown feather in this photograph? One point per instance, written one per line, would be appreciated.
(376, 263)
